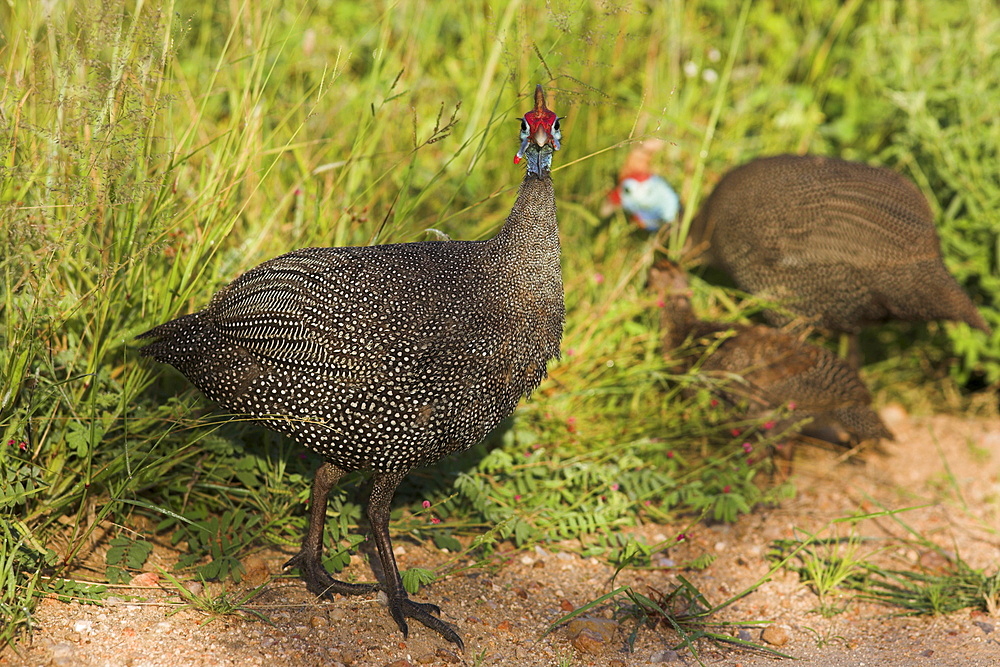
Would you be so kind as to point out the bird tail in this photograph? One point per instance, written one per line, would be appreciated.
(167, 340)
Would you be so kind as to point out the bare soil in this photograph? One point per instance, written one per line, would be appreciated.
(947, 468)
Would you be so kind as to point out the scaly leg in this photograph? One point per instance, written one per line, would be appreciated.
(310, 558)
(400, 606)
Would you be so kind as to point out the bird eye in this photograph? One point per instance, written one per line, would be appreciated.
(627, 188)
(524, 125)
(555, 126)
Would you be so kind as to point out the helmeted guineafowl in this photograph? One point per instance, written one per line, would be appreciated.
(385, 358)
(776, 368)
(841, 243)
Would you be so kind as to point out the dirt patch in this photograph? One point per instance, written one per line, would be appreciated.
(949, 466)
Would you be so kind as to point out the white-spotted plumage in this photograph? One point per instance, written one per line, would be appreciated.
(385, 358)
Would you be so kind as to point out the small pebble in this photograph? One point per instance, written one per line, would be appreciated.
(318, 622)
(744, 635)
(588, 642)
(985, 627)
(603, 628)
(775, 635)
(566, 605)
(195, 588)
(399, 663)
(665, 655)
(83, 627)
(145, 579)
(63, 655)
(447, 655)
(926, 654)
(426, 659)
(505, 626)
(336, 614)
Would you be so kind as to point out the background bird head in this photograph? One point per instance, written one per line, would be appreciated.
(643, 194)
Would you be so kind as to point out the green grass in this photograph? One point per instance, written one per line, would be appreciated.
(152, 151)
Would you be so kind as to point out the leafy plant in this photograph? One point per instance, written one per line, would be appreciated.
(125, 554)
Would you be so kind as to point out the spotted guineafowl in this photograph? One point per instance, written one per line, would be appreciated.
(774, 368)
(841, 243)
(385, 358)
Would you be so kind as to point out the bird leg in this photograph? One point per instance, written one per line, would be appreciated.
(400, 606)
(310, 558)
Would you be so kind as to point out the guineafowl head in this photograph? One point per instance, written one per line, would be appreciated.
(540, 136)
(648, 198)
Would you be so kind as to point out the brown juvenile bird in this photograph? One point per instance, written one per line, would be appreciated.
(773, 368)
(840, 243)
(385, 358)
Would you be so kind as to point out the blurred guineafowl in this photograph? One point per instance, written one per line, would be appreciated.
(841, 243)
(641, 193)
(776, 368)
(385, 358)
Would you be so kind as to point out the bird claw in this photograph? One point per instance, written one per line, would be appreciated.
(320, 583)
(423, 612)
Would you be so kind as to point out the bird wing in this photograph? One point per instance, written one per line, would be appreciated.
(872, 218)
(329, 312)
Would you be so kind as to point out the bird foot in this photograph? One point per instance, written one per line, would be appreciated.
(318, 580)
(404, 608)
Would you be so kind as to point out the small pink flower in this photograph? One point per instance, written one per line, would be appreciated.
(426, 504)
(791, 405)
(670, 455)
(23, 445)
(614, 487)
(727, 488)
(714, 403)
(735, 432)
(681, 537)
(768, 425)
(598, 278)
(435, 520)
(10, 443)
(747, 447)
(648, 503)
(570, 351)
(527, 454)
(660, 303)
(517, 497)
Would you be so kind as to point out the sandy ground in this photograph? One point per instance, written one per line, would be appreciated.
(948, 464)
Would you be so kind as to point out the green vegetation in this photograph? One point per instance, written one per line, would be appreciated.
(833, 566)
(151, 151)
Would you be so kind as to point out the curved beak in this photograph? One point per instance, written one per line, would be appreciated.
(541, 137)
